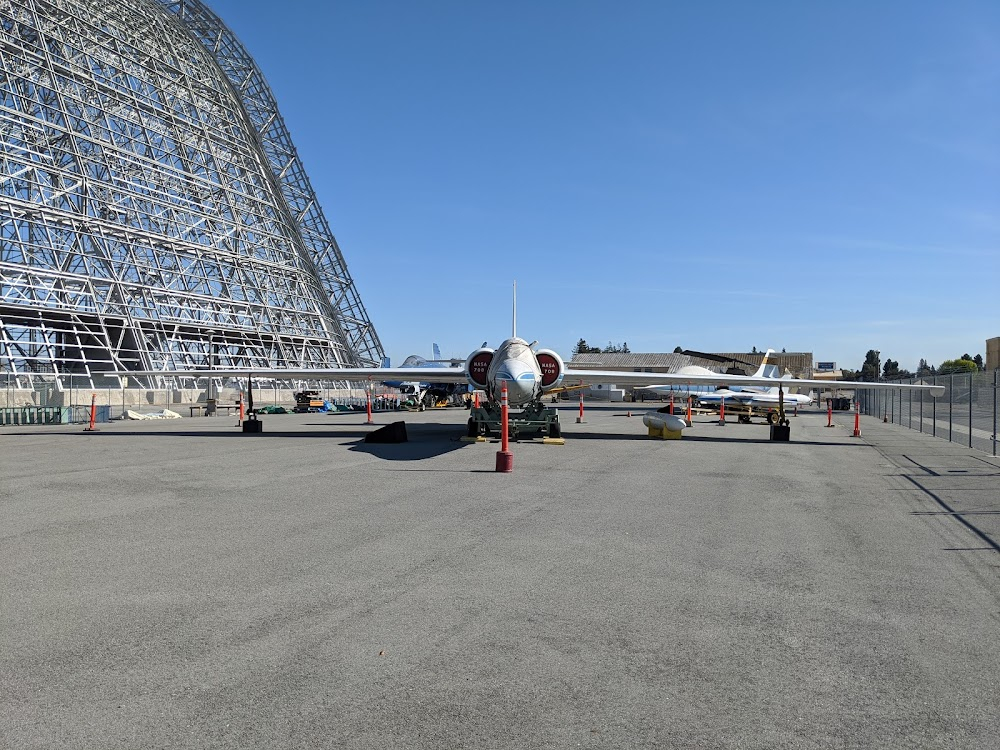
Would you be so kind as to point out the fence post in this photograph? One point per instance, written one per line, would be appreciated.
(996, 384)
(933, 409)
(951, 404)
(971, 375)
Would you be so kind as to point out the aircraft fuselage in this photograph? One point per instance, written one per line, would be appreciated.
(526, 372)
(515, 364)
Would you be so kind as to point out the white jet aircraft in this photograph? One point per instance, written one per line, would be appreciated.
(749, 395)
(528, 373)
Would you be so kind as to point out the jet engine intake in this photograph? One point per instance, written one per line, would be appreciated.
(552, 368)
(477, 366)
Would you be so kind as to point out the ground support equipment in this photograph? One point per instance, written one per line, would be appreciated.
(535, 419)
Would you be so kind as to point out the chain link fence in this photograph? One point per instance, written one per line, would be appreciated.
(967, 412)
(68, 399)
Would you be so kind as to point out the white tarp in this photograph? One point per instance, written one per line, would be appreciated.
(164, 414)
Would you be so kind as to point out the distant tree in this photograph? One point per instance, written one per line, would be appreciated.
(678, 350)
(869, 370)
(978, 359)
(615, 348)
(754, 351)
(581, 347)
(924, 369)
(960, 365)
(892, 371)
(783, 350)
(625, 349)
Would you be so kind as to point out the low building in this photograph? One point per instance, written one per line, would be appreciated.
(631, 362)
(800, 364)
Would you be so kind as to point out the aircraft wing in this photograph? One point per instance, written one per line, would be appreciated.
(570, 377)
(357, 374)
(587, 377)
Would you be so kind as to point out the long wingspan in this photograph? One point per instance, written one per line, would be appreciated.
(570, 377)
(435, 374)
(669, 378)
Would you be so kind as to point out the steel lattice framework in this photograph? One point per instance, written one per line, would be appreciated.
(154, 213)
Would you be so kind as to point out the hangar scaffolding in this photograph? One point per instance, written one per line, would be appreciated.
(154, 214)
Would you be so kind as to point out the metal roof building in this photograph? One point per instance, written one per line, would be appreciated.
(154, 213)
(631, 362)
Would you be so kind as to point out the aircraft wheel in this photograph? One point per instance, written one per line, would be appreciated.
(772, 417)
(744, 419)
(555, 430)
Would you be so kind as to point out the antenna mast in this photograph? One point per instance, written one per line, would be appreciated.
(513, 325)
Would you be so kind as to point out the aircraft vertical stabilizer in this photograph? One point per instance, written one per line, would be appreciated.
(513, 323)
(761, 371)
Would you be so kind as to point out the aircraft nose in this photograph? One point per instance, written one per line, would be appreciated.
(520, 383)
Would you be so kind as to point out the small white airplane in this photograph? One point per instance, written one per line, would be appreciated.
(749, 395)
(766, 397)
(528, 373)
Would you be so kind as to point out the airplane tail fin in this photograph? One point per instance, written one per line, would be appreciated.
(513, 324)
(763, 365)
(437, 352)
(773, 390)
(385, 362)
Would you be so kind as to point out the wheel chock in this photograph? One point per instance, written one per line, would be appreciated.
(391, 433)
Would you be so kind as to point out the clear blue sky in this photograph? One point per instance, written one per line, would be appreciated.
(818, 177)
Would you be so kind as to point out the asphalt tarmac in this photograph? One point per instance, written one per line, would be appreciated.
(182, 585)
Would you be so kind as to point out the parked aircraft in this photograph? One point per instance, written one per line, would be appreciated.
(424, 392)
(527, 373)
(706, 392)
(747, 395)
(762, 397)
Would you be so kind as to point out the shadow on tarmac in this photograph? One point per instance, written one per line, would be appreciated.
(573, 435)
(235, 434)
(955, 514)
(793, 441)
(425, 440)
(412, 450)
